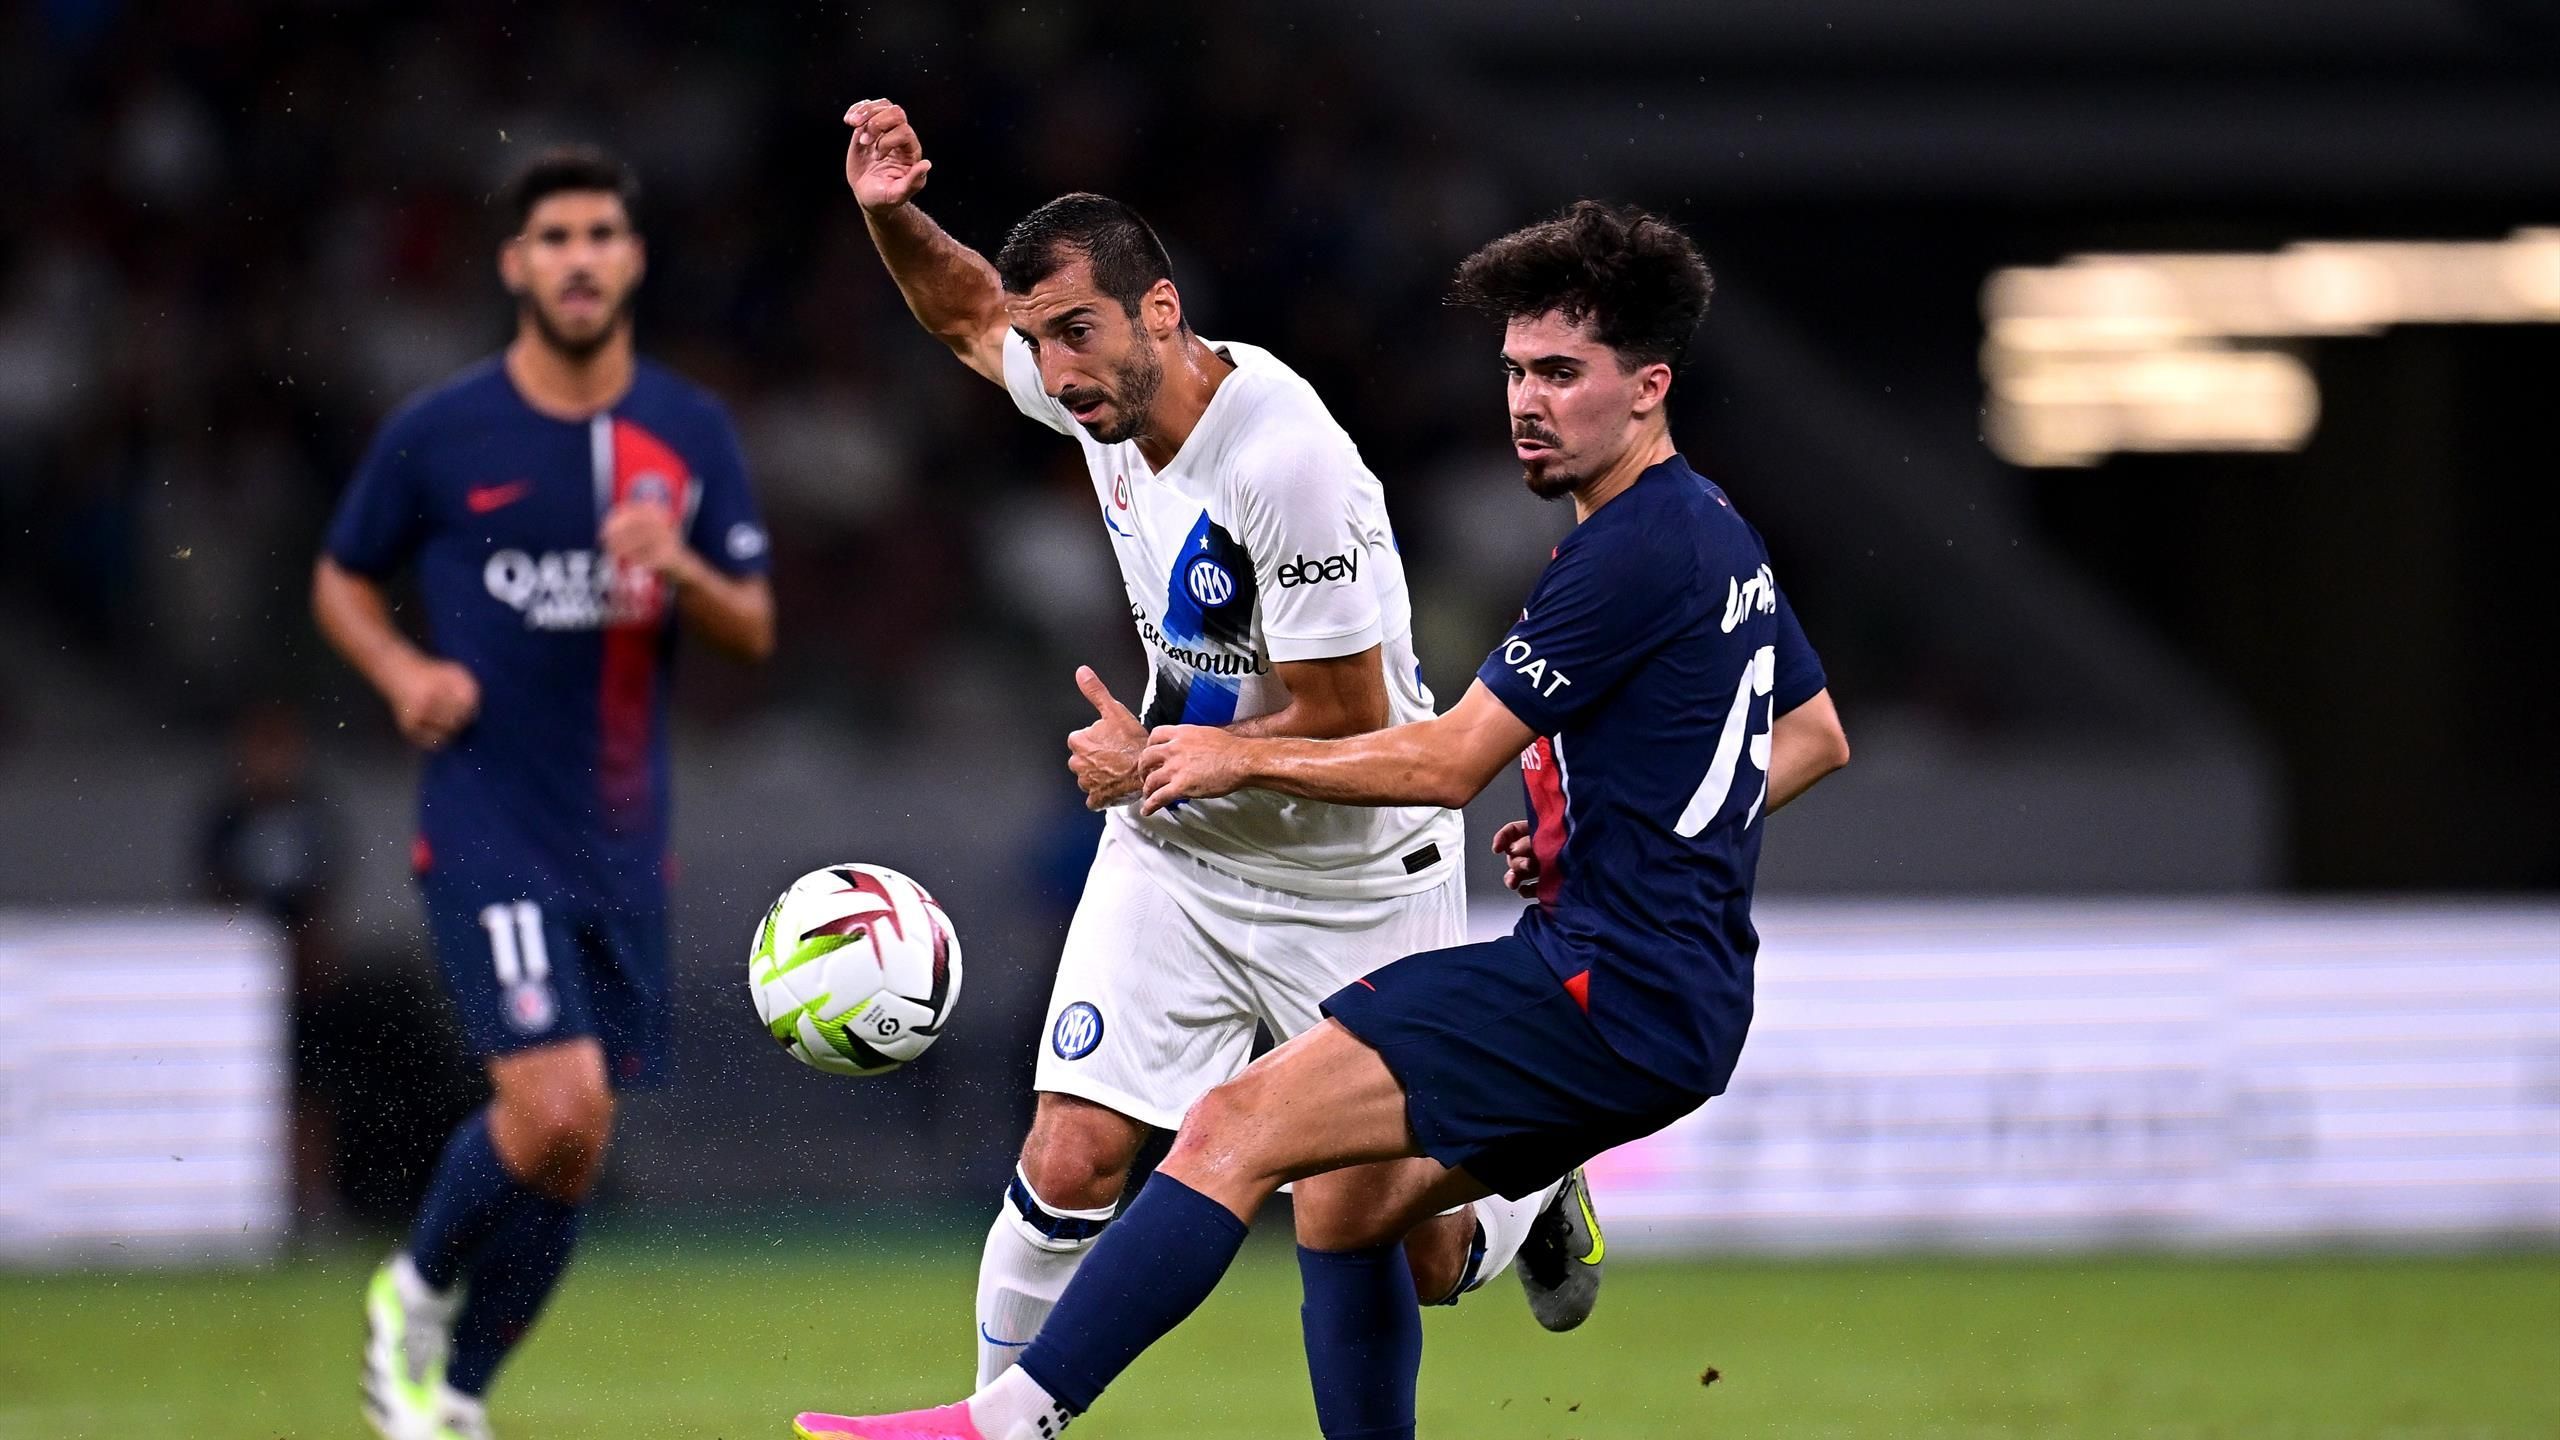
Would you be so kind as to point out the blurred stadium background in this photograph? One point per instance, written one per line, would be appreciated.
(2161, 1019)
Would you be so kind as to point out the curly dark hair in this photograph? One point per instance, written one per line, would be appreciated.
(1633, 275)
(560, 169)
(1127, 257)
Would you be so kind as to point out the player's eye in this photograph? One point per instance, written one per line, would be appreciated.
(1075, 334)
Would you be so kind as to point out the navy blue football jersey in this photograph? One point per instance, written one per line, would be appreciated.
(558, 789)
(1654, 655)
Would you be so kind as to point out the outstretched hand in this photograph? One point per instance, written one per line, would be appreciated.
(1103, 756)
(884, 162)
(1189, 762)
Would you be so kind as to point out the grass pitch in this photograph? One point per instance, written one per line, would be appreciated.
(725, 1339)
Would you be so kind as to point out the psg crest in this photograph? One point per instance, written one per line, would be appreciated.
(530, 1007)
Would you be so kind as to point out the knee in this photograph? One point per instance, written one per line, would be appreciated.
(563, 1130)
(1216, 1130)
(1437, 1252)
(1078, 1154)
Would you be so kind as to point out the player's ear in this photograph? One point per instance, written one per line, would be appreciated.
(1161, 308)
(511, 264)
(1653, 387)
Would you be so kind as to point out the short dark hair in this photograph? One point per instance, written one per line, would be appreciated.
(1633, 275)
(562, 168)
(1127, 257)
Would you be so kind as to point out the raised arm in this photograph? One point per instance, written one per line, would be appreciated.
(951, 288)
(1443, 761)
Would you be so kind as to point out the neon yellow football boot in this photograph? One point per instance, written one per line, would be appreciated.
(408, 1331)
(1560, 1261)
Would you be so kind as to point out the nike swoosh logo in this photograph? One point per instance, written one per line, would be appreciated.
(484, 498)
(1599, 1242)
(990, 1339)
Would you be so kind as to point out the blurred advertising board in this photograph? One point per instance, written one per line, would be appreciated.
(2023, 1074)
(144, 1092)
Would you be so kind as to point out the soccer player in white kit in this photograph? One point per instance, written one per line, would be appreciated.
(1265, 584)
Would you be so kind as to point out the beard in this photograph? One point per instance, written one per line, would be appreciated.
(576, 346)
(1133, 394)
(1550, 481)
(1547, 478)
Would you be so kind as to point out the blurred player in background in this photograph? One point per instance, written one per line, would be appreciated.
(1660, 700)
(563, 503)
(1263, 577)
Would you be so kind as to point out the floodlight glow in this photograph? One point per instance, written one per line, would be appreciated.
(2116, 352)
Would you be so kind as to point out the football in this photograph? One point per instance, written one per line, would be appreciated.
(854, 970)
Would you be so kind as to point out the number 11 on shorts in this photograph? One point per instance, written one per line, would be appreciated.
(515, 941)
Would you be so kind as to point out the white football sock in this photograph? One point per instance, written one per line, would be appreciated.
(1506, 1228)
(1025, 1267)
(1014, 1407)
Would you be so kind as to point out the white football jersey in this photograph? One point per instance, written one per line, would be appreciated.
(1265, 540)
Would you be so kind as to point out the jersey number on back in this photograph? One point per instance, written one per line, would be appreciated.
(1758, 679)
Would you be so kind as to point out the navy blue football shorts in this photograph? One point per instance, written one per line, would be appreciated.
(1504, 1075)
(524, 974)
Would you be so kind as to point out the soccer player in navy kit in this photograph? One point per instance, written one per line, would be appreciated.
(562, 504)
(1661, 702)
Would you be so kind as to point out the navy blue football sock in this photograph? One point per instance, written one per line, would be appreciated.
(467, 1199)
(510, 1278)
(1364, 1340)
(1146, 1274)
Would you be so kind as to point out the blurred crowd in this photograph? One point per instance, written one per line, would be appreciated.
(249, 230)
(240, 234)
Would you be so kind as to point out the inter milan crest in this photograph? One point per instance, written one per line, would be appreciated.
(1078, 1030)
(1209, 582)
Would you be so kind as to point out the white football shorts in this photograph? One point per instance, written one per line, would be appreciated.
(1170, 963)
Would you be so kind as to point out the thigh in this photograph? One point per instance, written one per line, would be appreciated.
(1150, 1008)
(511, 964)
(622, 953)
(1504, 1075)
(1310, 948)
(1318, 1103)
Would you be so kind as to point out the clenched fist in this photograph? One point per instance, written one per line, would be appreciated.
(642, 535)
(431, 701)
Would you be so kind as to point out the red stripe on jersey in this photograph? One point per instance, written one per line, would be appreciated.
(644, 468)
(1579, 987)
(1545, 781)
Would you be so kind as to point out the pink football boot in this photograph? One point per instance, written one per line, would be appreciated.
(943, 1422)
